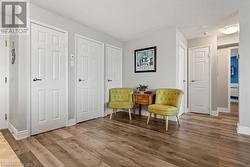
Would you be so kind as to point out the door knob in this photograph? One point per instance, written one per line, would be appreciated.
(37, 79)
(109, 80)
(192, 80)
(81, 80)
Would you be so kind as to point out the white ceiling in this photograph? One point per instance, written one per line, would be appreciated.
(129, 19)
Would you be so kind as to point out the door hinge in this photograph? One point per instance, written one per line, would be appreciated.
(5, 80)
(5, 116)
(6, 43)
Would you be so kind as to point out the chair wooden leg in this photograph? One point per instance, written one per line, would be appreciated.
(111, 113)
(166, 118)
(178, 121)
(129, 112)
(149, 117)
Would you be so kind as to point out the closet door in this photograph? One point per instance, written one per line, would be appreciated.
(49, 79)
(200, 80)
(113, 69)
(90, 79)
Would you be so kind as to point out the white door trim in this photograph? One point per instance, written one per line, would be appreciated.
(229, 77)
(8, 81)
(105, 64)
(103, 78)
(29, 71)
(112, 46)
(229, 81)
(87, 38)
(210, 76)
(186, 71)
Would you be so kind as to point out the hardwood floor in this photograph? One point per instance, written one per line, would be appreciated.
(200, 141)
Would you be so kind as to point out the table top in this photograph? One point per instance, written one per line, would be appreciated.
(145, 94)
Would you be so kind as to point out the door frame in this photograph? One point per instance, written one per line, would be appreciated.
(29, 90)
(6, 86)
(106, 76)
(181, 44)
(229, 76)
(76, 35)
(210, 75)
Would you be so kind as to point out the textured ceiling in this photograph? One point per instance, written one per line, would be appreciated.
(129, 19)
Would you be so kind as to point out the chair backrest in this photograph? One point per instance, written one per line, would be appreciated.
(170, 97)
(121, 94)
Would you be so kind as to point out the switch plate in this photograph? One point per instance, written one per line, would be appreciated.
(72, 56)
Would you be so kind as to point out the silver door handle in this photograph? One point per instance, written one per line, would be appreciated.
(109, 80)
(37, 79)
(81, 80)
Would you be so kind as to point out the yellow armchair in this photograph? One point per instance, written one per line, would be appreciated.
(121, 98)
(167, 103)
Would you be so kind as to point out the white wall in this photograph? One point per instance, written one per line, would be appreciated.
(207, 41)
(165, 75)
(19, 116)
(223, 68)
(228, 39)
(223, 77)
(17, 87)
(13, 87)
(244, 68)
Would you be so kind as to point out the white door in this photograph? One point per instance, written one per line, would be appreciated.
(90, 79)
(3, 84)
(183, 76)
(200, 80)
(49, 79)
(113, 69)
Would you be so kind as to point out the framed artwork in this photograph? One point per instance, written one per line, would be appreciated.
(145, 60)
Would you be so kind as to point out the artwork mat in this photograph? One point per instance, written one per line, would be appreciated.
(142, 60)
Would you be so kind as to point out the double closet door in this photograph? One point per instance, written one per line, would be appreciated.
(48, 78)
(89, 78)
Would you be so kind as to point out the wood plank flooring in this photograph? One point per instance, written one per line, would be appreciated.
(201, 141)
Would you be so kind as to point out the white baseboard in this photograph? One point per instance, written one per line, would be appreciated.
(215, 113)
(243, 130)
(221, 109)
(234, 101)
(71, 122)
(18, 135)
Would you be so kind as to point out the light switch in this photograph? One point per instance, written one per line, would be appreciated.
(72, 56)
(72, 60)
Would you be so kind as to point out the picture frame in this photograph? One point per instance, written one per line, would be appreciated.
(145, 60)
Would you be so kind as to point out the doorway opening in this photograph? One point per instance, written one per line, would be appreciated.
(228, 78)
(213, 75)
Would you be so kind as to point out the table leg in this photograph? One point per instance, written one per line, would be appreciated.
(139, 109)
(155, 116)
